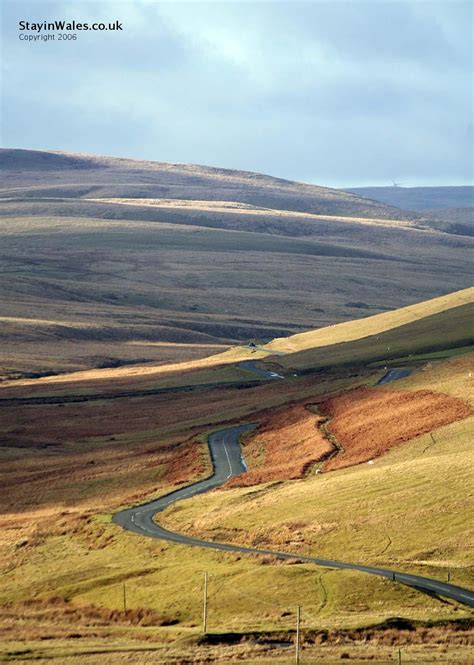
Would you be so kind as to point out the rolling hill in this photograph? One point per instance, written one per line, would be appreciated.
(435, 329)
(452, 205)
(435, 325)
(32, 173)
(68, 466)
(419, 198)
(110, 261)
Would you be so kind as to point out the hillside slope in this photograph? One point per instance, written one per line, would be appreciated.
(68, 465)
(360, 328)
(419, 198)
(108, 262)
(35, 173)
(391, 511)
(434, 325)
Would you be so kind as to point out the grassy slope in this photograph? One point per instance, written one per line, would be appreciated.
(51, 544)
(151, 282)
(354, 330)
(387, 513)
(244, 594)
(453, 328)
(37, 173)
(461, 216)
(377, 339)
(196, 256)
(89, 563)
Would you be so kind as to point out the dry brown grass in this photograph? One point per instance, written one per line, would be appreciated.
(53, 543)
(79, 458)
(252, 211)
(369, 422)
(50, 495)
(63, 617)
(114, 279)
(372, 325)
(287, 444)
(113, 379)
(90, 642)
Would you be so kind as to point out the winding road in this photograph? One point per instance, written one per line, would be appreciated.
(251, 366)
(228, 462)
(394, 375)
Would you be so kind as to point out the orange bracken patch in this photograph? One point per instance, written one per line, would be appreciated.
(286, 445)
(368, 422)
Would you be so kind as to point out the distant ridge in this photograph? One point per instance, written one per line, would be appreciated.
(419, 198)
(51, 173)
(124, 259)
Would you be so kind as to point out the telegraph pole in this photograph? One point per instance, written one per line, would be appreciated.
(124, 600)
(204, 618)
(297, 646)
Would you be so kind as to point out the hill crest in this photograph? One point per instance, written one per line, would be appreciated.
(28, 168)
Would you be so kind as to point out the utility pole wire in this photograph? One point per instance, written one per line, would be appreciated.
(297, 648)
(204, 619)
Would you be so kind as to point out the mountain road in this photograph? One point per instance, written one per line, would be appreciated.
(227, 461)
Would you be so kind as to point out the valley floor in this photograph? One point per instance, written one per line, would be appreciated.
(66, 567)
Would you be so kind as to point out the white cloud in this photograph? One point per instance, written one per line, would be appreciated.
(339, 92)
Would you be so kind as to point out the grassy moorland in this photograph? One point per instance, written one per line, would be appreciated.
(34, 173)
(453, 329)
(375, 325)
(452, 381)
(64, 564)
(387, 512)
(114, 272)
(377, 341)
(109, 262)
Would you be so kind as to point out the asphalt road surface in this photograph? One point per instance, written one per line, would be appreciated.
(250, 366)
(394, 375)
(227, 460)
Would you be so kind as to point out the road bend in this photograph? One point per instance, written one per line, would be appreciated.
(395, 375)
(227, 461)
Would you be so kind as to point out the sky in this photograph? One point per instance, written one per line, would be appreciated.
(337, 93)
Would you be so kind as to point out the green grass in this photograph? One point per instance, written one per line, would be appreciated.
(409, 510)
(244, 594)
(372, 325)
(437, 332)
(402, 512)
(386, 514)
(436, 355)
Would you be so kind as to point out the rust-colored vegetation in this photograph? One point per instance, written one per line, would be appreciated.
(285, 447)
(368, 422)
(57, 618)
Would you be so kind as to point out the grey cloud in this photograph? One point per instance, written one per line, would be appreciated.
(339, 93)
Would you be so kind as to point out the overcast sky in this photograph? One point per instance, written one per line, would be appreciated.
(335, 93)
